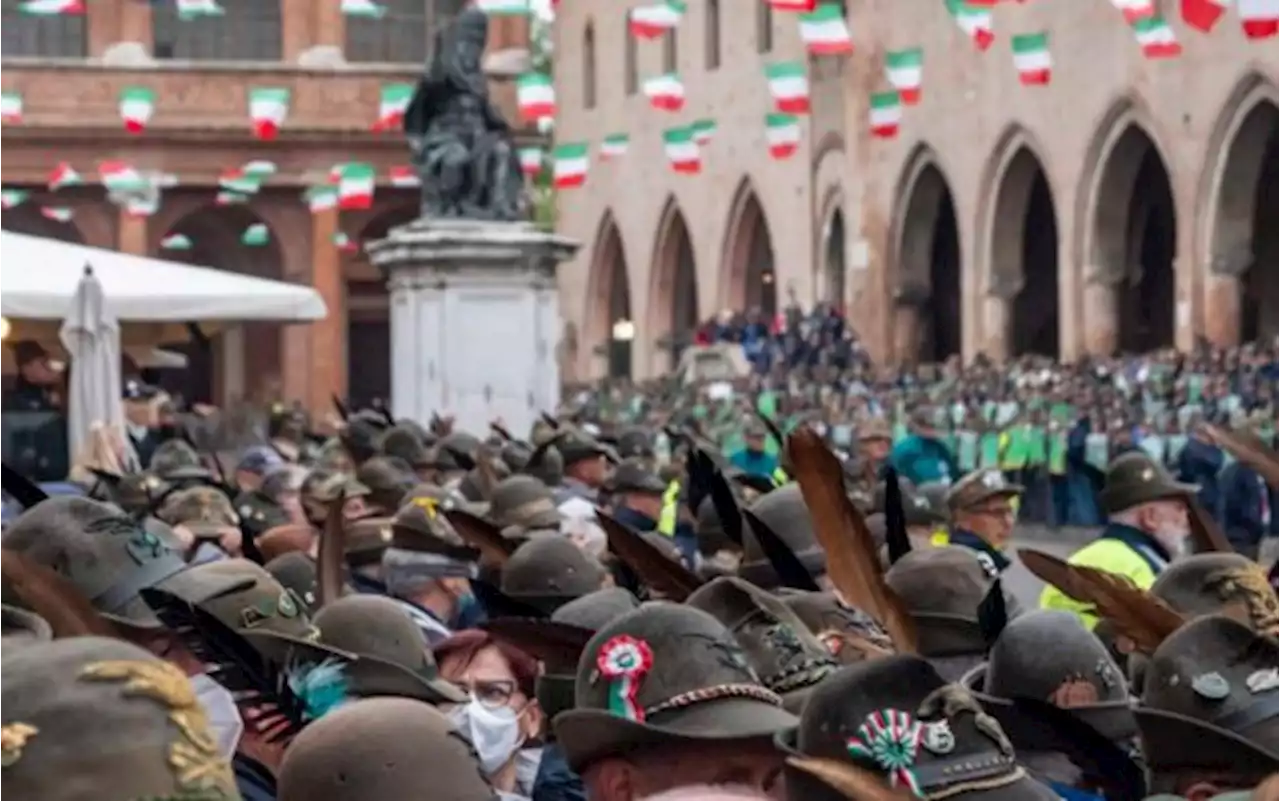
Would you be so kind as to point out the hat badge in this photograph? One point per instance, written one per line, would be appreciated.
(891, 738)
(1261, 681)
(624, 661)
(1211, 686)
(13, 738)
(992, 480)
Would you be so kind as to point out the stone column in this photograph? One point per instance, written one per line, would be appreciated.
(296, 31)
(906, 334)
(131, 233)
(1222, 309)
(328, 373)
(1101, 329)
(996, 313)
(328, 37)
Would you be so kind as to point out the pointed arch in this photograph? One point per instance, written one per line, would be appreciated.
(927, 261)
(747, 268)
(672, 316)
(609, 299)
(26, 218)
(1018, 243)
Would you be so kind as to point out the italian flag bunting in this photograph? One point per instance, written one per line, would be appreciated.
(905, 71)
(1156, 38)
(237, 181)
(225, 198)
(1259, 18)
(12, 197)
(138, 207)
(682, 150)
(614, 146)
(121, 176)
(52, 8)
(321, 198)
(886, 114)
(531, 160)
(362, 8)
(789, 85)
(57, 213)
(665, 92)
(1031, 57)
(259, 168)
(137, 103)
(176, 242)
(1203, 14)
(650, 22)
(791, 5)
(11, 108)
(703, 130)
(403, 176)
(64, 175)
(536, 96)
(824, 31)
(392, 105)
(1135, 10)
(783, 133)
(344, 243)
(256, 235)
(504, 8)
(193, 9)
(570, 163)
(974, 20)
(268, 107)
(355, 185)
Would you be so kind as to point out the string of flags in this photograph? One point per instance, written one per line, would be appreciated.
(196, 9)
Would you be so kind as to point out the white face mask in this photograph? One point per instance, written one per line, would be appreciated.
(494, 733)
(219, 704)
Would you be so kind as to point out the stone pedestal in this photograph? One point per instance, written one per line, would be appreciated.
(475, 320)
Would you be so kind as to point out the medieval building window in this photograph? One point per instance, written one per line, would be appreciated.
(34, 36)
(713, 34)
(247, 30)
(589, 67)
(405, 34)
(630, 68)
(671, 51)
(764, 27)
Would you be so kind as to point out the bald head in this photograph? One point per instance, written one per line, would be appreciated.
(706, 792)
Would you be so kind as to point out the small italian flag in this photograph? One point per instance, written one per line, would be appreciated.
(176, 242)
(905, 71)
(193, 9)
(362, 8)
(783, 133)
(256, 235)
(886, 114)
(12, 197)
(64, 175)
(791, 5)
(136, 206)
(650, 22)
(225, 198)
(121, 176)
(355, 186)
(344, 243)
(1031, 57)
(665, 92)
(1156, 38)
(504, 8)
(240, 182)
(392, 104)
(51, 8)
(1203, 14)
(536, 96)
(1135, 10)
(137, 103)
(1259, 18)
(268, 107)
(57, 213)
(569, 165)
(789, 85)
(682, 150)
(321, 198)
(824, 31)
(11, 108)
(531, 160)
(614, 146)
(259, 168)
(403, 176)
(703, 131)
(974, 20)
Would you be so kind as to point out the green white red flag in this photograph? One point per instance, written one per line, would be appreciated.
(256, 235)
(57, 213)
(176, 242)
(344, 243)
(974, 20)
(569, 165)
(225, 198)
(64, 175)
(194, 9)
(363, 8)
(703, 131)
(1156, 38)
(783, 134)
(665, 92)
(11, 108)
(392, 103)
(905, 71)
(792, 5)
(321, 197)
(825, 32)
(1259, 18)
(1031, 58)
(10, 198)
(121, 176)
(356, 182)
(137, 104)
(682, 150)
(403, 176)
(138, 206)
(886, 114)
(531, 160)
(268, 108)
(652, 21)
(536, 96)
(236, 180)
(52, 8)
(505, 8)
(614, 146)
(789, 85)
(1134, 10)
(1203, 14)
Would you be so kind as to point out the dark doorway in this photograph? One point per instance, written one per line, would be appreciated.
(684, 297)
(1034, 323)
(944, 306)
(762, 290)
(622, 330)
(1147, 299)
(834, 262)
(1258, 308)
(368, 344)
(928, 280)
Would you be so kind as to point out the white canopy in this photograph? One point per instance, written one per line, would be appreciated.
(38, 279)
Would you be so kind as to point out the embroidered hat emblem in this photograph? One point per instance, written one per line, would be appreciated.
(624, 661)
(891, 739)
(1262, 680)
(992, 480)
(938, 738)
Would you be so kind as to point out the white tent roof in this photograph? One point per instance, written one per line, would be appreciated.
(38, 278)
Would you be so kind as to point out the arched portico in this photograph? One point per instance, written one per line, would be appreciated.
(673, 293)
(368, 307)
(748, 272)
(28, 218)
(609, 325)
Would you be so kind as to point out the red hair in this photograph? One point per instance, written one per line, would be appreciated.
(467, 643)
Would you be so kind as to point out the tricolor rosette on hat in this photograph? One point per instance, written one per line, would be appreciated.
(891, 738)
(625, 661)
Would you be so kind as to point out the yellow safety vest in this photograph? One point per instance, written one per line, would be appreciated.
(670, 509)
(1110, 555)
(941, 537)
(779, 477)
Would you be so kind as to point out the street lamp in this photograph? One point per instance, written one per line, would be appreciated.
(624, 330)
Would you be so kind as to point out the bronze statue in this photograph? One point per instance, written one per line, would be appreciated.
(460, 143)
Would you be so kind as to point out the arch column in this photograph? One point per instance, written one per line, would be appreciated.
(997, 313)
(1100, 331)
(1222, 300)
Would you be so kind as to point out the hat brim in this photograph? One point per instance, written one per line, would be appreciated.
(1111, 501)
(1113, 719)
(136, 614)
(589, 735)
(1173, 740)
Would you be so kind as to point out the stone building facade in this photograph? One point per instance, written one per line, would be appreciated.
(70, 71)
(1129, 204)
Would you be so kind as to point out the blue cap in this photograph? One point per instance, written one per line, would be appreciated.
(260, 460)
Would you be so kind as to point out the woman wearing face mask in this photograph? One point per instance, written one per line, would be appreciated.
(502, 719)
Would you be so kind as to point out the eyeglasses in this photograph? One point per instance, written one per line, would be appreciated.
(490, 694)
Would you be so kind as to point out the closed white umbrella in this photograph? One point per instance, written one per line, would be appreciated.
(91, 335)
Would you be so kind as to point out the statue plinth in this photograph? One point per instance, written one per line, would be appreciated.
(475, 319)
